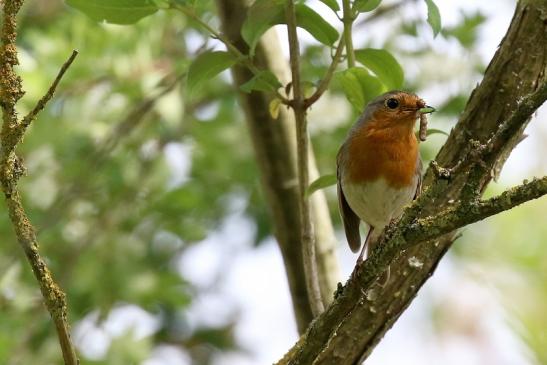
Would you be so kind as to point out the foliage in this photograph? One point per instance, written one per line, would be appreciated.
(107, 185)
(433, 16)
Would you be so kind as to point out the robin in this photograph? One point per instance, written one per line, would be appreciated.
(379, 169)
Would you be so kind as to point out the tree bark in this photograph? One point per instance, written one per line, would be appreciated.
(275, 150)
(363, 312)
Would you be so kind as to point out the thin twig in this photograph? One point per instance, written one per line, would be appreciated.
(324, 84)
(47, 97)
(302, 145)
(11, 170)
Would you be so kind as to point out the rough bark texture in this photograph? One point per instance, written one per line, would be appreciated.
(363, 312)
(11, 169)
(274, 145)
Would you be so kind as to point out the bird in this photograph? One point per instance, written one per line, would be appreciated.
(379, 169)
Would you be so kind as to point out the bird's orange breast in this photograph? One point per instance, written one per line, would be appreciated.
(383, 149)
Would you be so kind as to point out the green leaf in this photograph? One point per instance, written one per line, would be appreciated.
(264, 14)
(364, 6)
(431, 131)
(263, 81)
(308, 88)
(115, 11)
(274, 107)
(433, 17)
(206, 66)
(436, 131)
(349, 83)
(370, 85)
(333, 4)
(359, 86)
(384, 65)
(314, 23)
(467, 31)
(261, 16)
(320, 183)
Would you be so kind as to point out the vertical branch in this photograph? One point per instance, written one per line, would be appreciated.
(11, 170)
(302, 143)
(274, 145)
(348, 22)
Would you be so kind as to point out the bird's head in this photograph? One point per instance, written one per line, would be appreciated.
(396, 107)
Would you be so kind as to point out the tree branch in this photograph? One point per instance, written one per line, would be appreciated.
(47, 97)
(324, 84)
(275, 151)
(11, 170)
(306, 234)
(361, 314)
(470, 212)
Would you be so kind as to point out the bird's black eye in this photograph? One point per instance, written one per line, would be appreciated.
(392, 103)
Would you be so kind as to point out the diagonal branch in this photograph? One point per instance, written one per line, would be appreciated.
(525, 108)
(324, 84)
(492, 124)
(47, 97)
(471, 212)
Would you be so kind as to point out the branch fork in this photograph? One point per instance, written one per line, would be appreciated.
(11, 169)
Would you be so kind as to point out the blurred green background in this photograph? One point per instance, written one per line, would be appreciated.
(149, 210)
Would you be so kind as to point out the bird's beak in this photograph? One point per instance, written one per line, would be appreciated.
(426, 110)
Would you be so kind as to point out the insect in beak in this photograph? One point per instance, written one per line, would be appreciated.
(423, 121)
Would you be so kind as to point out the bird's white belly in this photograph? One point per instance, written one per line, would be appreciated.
(377, 203)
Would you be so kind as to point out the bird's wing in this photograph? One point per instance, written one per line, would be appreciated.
(349, 218)
(418, 173)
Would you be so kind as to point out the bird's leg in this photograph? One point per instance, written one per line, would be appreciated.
(364, 248)
(370, 244)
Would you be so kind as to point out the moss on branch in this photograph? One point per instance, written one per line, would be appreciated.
(11, 169)
(495, 116)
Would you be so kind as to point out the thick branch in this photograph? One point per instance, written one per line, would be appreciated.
(54, 298)
(471, 212)
(526, 106)
(11, 170)
(350, 328)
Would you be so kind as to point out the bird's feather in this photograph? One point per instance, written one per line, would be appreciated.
(419, 169)
(349, 218)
